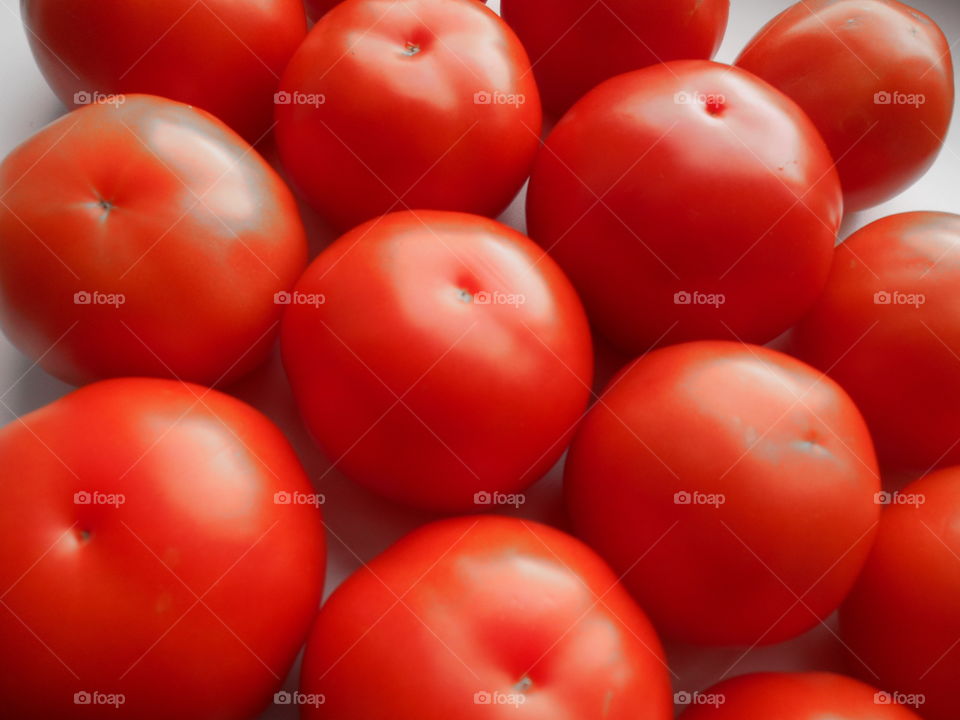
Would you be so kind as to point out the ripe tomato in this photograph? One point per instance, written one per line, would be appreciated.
(887, 328)
(733, 486)
(437, 357)
(484, 617)
(144, 238)
(419, 104)
(795, 696)
(224, 56)
(876, 78)
(575, 45)
(316, 8)
(159, 555)
(687, 201)
(902, 620)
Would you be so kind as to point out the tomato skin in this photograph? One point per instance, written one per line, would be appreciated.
(574, 47)
(402, 124)
(836, 58)
(902, 618)
(698, 201)
(786, 477)
(317, 8)
(485, 604)
(896, 359)
(103, 596)
(163, 208)
(224, 56)
(797, 696)
(490, 392)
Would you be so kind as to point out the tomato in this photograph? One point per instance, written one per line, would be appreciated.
(400, 105)
(224, 56)
(159, 554)
(887, 328)
(902, 620)
(484, 617)
(316, 8)
(876, 78)
(144, 237)
(795, 696)
(733, 486)
(438, 358)
(687, 201)
(575, 45)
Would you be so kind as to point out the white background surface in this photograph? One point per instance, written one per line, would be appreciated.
(361, 525)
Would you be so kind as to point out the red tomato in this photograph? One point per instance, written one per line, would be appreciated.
(484, 617)
(224, 56)
(144, 238)
(158, 553)
(687, 201)
(316, 8)
(733, 486)
(438, 358)
(419, 104)
(876, 78)
(795, 696)
(887, 328)
(902, 620)
(575, 45)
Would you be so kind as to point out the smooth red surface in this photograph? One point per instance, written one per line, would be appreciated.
(224, 56)
(897, 360)
(902, 620)
(575, 45)
(164, 205)
(842, 60)
(316, 8)
(688, 177)
(402, 124)
(416, 388)
(797, 696)
(782, 445)
(193, 596)
(485, 604)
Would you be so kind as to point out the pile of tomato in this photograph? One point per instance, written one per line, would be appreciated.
(781, 440)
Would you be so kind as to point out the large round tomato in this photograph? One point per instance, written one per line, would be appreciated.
(162, 555)
(224, 56)
(575, 45)
(733, 486)
(902, 620)
(687, 201)
(887, 328)
(439, 358)
(484, 617)
(418, 104)
(876, 78)
(795, 696)
(144, 238)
